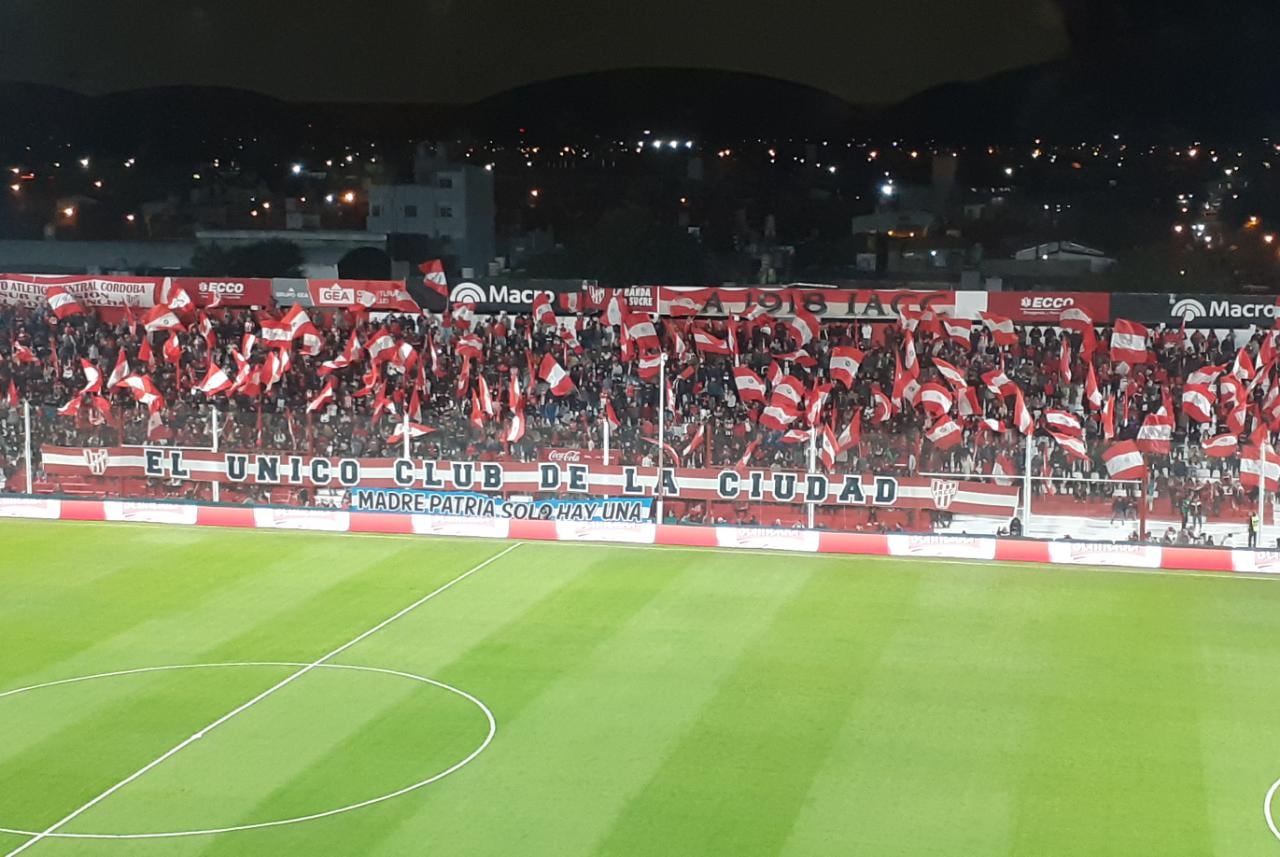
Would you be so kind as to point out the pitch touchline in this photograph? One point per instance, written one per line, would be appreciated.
(246, 706)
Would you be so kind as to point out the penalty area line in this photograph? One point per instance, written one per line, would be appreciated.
(285, 682)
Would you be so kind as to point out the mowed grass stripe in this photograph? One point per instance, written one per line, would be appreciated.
(761, 738)
(562, 770)
(582, 604)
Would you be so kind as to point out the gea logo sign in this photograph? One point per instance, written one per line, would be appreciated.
(495, 294)
(337, 295)
(221, 288)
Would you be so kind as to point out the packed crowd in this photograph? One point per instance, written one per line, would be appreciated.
(461, 376)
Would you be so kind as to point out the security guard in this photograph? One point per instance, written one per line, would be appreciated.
(1253, 530)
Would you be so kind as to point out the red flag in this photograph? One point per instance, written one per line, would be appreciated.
(844, 364)
(1129, 342)
(172, 351)
(433, 277)
(1022, 419)
(1061, 422)
(1155, 437)
(804, 327)
(945, 433)
(71, 408)
(160, 317)
(92, 377)
(1221, 446)
(144, 351)
(1198, 402)
(23, 354)
(63, 304)
(416, 430)
(324, 397)
(1073, 446)
(555, 376)
(543, 313)
(852, 435)
(1002, 332)
(1124, 461)
(958, 330)
(708, 344)
(935, 399)
(215, 381)
(12, 398)
(1251, 466)
(883, 406)
(1092, 395)
(1064, 361)
(750, 386)
(1109, 418)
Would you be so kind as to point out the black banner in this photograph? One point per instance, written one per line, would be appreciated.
(494, 295)
(1227, 311)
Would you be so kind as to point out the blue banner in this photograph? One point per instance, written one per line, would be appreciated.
(474, 505)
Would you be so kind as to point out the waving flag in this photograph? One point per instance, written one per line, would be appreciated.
(1092, 395)
(1074, 318)
(953, 374)
(92, 377)
(844, 364)
(852, 434)
(750, 386)
(958, 330)
(1061, 422)
(1155, 437)
(804, 326)
(935, 399)
(1198, 402)
(1064, 362)
(1221, 446)
(555, 376)
(1022, 419)
(998, 382)
(160, 317)
(1124, 461)
(1072, 445)
(215, 381)
(1129, 342)
(708, 344)
(882, 406)
(416, 430)
(23, 354)
(433, 277)
(326, 395)
(63, 304)
(945, 433)
(543, 313)
(1002, 332)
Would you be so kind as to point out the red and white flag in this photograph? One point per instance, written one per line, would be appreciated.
(945, 433)
(71, 408)
(324, 397)
(381, 347)
(160, 317)
(416, 430)
(844, 364)
(433, 277)
(958, 330)
(555, 376)
(515, 403)
(1092, 395)
(1124, 461)
(695, 443)
(1022, 419)
(935, 399)
(215, 381)
(617, 309)
(1064, 361)
(882, 406)
(790, 390)
(1072, 445)
(172, 349)
(778, 417)
(1003, 469)
(1063, 423)
(543, 312)
(708, 344)
(1002, 332)
(610, 414)
(804, 327)
(144, 392)
(1251, 465)
(23, 354)
(967, 403)
(464, 315)
(815, 402)
(852, 434)
(1074, 318)
(1206, 374)
(1230, 388)
(952, 373)
(1221, 446)
(1109, 418)
(63, 304)
(830, 448)
(92, 377)
(1197, 403)
(750, 386)
(998, 382)
(1243, 367)
(1129, 343)
(1155, 437)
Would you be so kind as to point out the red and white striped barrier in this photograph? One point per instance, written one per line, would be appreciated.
(802, 541)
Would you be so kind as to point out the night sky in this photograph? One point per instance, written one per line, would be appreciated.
(456, 51)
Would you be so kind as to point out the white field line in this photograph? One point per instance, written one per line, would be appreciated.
(1266, 808)
(252, 702)
(1061, 568)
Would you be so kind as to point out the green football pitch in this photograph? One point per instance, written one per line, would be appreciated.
(351, 695)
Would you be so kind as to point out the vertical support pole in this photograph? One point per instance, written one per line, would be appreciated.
(813, 433)
(28, 469)
(405, 429)
(604, 418)
(1262, 492)
(662, 429)
(1026, 485)
(217, 434)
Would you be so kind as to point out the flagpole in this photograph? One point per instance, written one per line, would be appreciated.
(1026, 487)
(662, 428)
(604, 418)
(406, 433)
(1262, 491)
(27, 468)
(813, 431)
(217, 486)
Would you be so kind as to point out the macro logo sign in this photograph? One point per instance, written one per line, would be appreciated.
(1188, 309)
(96, 460)
(468, 293)
(943, 492)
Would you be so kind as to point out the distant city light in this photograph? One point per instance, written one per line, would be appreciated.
(657, 144)
(69, 211)
(296, 169)
(84, 162)
(130, 218)
(1178, 228)
(266, 205)
(328, 198)
(535, 193)
(349, 197)
(195, 176)
(1270, 239)
(253, 213)
(831, 170)
(15, 187)
(887, 189)
(98, 183)
(688, 144)
(351, 159)
(1008, 171)
(675, 144)
(489, 167)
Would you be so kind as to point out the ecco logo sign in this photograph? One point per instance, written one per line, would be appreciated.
(221, 288)
(1047, 303)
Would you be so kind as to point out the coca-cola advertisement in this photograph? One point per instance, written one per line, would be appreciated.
(571, 456)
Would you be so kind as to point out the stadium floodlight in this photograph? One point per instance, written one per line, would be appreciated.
(887, 189)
